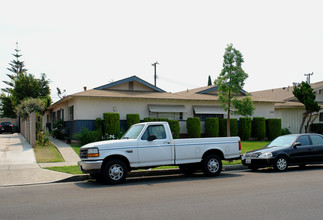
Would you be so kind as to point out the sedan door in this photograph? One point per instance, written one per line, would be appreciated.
(304, 152)
(317, 141)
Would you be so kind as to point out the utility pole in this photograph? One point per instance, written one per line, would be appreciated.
(155, 75)
(308, 77)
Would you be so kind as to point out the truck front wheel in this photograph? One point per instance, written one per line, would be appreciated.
(212, 165)
(114, 172)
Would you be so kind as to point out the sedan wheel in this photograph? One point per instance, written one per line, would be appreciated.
(281, 164)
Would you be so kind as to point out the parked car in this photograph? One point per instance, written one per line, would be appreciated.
(6, 127)
(293, 149)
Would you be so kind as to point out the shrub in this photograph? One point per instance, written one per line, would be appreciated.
(132, 119)
(175, 128)
(273, 128)
(259, 127)
(245, 128)
(43, 137)
(111, 124)
(316, 128)
(223, 127)
(86, 136)
(155, 119)
(233, 127)
(212, 127)
(98, 126)
(285, 131)
(193, 126)
(59, 129)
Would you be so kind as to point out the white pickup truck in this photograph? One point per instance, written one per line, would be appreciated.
(147, 145)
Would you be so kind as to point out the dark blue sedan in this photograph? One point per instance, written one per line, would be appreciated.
(293, 149)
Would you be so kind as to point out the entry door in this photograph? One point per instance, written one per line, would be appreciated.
(155, 152)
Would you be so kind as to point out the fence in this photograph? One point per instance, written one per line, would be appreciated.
(28, 129)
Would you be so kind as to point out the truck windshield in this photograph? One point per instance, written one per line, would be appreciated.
(133, 132)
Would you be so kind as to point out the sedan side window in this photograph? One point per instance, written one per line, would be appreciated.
(316, 140)
(304, 140)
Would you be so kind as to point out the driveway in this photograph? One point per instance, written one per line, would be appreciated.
(15, 151)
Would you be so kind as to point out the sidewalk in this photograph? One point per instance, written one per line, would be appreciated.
(18, 164)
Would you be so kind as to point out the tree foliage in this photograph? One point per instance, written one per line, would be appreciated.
(230, 83)
(29, 106)
(304, 94)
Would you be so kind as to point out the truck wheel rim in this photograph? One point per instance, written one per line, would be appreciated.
(213, 165)
(116, 172)
(281, 164)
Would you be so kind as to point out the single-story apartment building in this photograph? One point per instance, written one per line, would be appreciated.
(133, 95)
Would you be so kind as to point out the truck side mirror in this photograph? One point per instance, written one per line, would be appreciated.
(152, 137)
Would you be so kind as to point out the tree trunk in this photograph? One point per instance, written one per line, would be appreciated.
(303, 122)
(228, 121)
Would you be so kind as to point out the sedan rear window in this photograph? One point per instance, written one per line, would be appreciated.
(316, 140)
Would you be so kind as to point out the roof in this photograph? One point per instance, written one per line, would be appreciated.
(129, 79)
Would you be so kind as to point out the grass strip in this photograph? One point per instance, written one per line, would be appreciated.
(66, 169)
(47, 154)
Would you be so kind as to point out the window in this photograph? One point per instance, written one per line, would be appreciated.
(157, 130)
(204, 116)
(316, 140)
(304, 140)
(321, 116)
(168, 115)
(71, 113)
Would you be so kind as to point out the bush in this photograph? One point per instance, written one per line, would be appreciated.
(317, 128)
(259, 127)
(43, 137)
(212, 127)
(86, 136)
(285, 131)
(233, 127)
(155, 119)
(223, 127)
(193, 126)
(111, 124)
(59, 129)
(98, 126)
(245, 128)
(273, 128)
(175, 128)
(132, 119)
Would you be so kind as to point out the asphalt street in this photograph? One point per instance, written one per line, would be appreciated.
(296, 194)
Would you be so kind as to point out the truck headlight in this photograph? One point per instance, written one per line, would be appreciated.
(265, 155)
(93, 152)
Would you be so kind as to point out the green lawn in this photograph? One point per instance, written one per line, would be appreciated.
(76, 148)
(47, 154)
(66, 169)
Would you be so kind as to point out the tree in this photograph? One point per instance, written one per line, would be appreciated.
(304, 94)
(243, 107)
(7, 109)
(209, 83)
(230, 83)
(28, 106)
(16, 68)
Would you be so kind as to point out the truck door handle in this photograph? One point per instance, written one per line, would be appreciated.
(166, 142)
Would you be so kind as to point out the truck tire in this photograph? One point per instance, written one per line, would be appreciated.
(212, 165)
(114, 172)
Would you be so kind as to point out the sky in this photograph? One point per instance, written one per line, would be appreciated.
(92, 43)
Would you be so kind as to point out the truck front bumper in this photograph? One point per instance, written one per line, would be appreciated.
(91, 166)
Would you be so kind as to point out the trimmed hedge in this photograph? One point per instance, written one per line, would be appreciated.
(223, 127)
(259, 127)
(175, 128)
(245, 128)
(212, 127)
(98, 126)
(111, 124)
(273, 128)
(132, 119)
(193, 126)
(155, 119)
(317, 128)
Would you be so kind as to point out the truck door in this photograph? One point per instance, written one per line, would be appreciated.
(154, 147)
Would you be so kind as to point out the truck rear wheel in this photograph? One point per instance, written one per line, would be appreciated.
(212, 165)
(114, 172)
